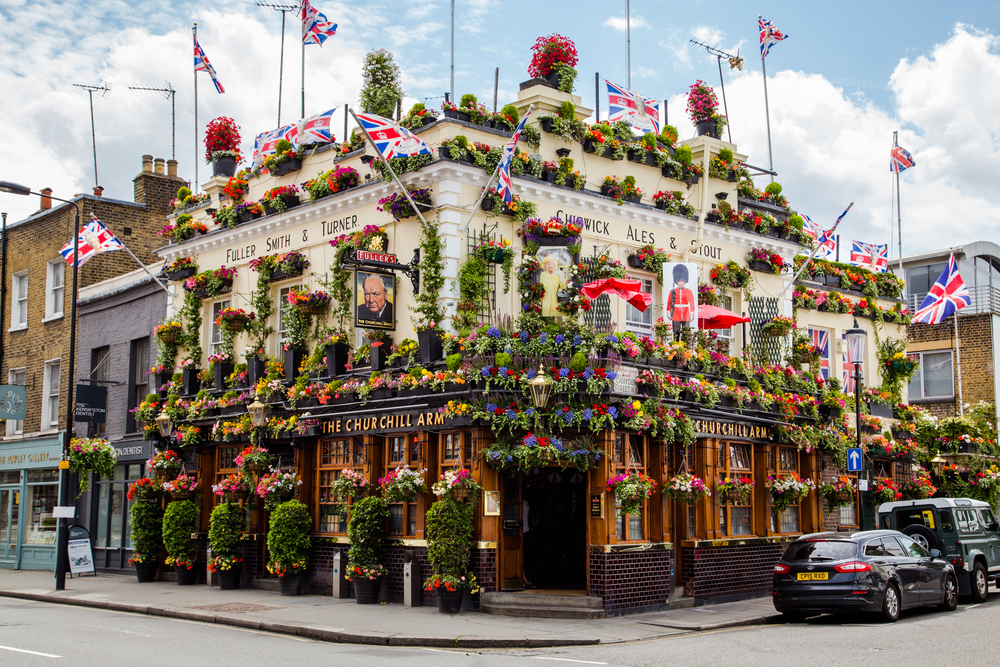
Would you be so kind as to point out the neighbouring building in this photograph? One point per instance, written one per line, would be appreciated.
(552, 524)
(35, 331)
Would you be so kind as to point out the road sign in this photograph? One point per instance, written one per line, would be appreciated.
(855, 459)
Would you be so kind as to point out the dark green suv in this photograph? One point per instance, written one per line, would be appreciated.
(964, 530)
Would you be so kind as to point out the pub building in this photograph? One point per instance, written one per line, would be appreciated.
(551, 526)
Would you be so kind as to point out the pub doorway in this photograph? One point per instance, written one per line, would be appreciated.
(554, 535)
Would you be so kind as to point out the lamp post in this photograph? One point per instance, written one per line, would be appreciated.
(257, 412)
(856, 340)
(165, 425)
(62, 556)
(541, 389)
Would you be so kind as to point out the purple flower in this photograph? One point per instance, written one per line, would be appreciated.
(493, 332)
(611, 338)
(531, 441)
(510, 414)
(566, 417)
(560, 338)
(587, 414)
(524, 336)
(612, 375)
(613, 411)
(543, 337)
(531, 373)
(563, 372)
(491, 407)
(587, 373)
(484, 371)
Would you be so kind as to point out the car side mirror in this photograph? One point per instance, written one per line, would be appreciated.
(935, 553)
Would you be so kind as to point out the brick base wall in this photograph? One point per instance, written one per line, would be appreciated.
(726, 574)
(633, 581)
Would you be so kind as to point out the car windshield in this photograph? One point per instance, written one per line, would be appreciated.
(823, 550)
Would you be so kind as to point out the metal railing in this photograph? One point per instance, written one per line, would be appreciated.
(985, 299)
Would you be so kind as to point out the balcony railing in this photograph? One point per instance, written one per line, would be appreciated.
(985, 299)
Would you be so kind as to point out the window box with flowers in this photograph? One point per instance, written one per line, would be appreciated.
(730, 275)
(649, 259)
(332, 181)
(222, 146)
(761, 260)
(622, 190)
(398, 206)
(181, 268)
(210, 284)
(672, 201)
(185, 227)
(283, 266)
(247, 211)
(686, 488)
(280, 199)
(284, 160)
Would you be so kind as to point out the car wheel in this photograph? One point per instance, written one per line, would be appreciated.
(923, 536)
(890, 604)
(792, 617)
(980, 584)
(950, 602)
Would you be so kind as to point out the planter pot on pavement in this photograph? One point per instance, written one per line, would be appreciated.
(366, 590)
(230, 579)
(449, 602)
(291, 584)
(146, 572)
(185, 576)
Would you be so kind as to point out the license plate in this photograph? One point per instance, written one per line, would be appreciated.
(812, 576)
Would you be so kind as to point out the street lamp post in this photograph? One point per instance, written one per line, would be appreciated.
(856, 340)
(62, 556)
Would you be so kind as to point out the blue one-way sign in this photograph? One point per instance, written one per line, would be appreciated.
(854, 459)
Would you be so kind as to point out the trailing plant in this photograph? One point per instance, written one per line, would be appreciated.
(91, 455)
(398, 206)
(472, 290)
(228, 525)
(178, 524)
(381, 89)
(146, 519)
(288, 538)
(448, 530)
(631, 488)
(428, 312)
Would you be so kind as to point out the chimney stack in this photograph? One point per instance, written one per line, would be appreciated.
(158, 168)
(147, 163)
(46, 199)
(171, 167)
(98, 191)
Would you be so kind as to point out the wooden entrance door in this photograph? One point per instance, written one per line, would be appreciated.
(511, 546)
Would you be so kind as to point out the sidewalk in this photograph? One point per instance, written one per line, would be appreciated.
(329, 619)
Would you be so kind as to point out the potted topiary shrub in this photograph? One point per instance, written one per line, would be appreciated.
(228, 525)
(178, 524)
(366, 531)
(288, 543)
(146, 517)
(222, 146)
(448, 529)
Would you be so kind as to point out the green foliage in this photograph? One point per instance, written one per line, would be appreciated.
(468, 101)
(228, 525)
(461, 141)
(511, 111)
(178, 524)
(502, 359)
(367, 532)
(146, 518)
(579, 362)
(191, 314)
(668, 135)
(684, 155)
(773, 188)
(283, 145)
(727, 155)
(472, 292)
(649, 139)
(417, 108)
(567, 77)
(453, 362)
(183, 193)
(381, 90)
(448, 529)
(428, 309)
(567, 110)
(288, 536)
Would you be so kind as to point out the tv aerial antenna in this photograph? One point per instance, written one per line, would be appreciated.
(170, 94)
(104, 90)
(735, 62)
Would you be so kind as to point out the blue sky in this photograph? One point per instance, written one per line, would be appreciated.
(849, 74)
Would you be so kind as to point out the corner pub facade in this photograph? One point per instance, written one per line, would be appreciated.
(554, 527)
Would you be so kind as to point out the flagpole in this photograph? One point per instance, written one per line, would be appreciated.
(812, 254)
(281, 66)
(406, 193)
(899, 215)
(196, 137)
(303, 75)
(958, 359)
(767, 115)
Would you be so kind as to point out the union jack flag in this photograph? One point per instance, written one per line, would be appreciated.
(769, 35)
(391, 140)
(315, 129)
(871, 255)
(201, 64)
(94, 238)
(315, 28)
(948, 295)
(900, 159)
(504, 186)
(821, 341)
(641, 112)
(847, 369)
(266, 142)
(828, 248)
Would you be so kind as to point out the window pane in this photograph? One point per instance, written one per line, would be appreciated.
(937, 372)
(41, 525)
(789, 520)
(740, 520)
(634, 316)
(395, 519)
(102, 514)
(848, 515)
(635, 526)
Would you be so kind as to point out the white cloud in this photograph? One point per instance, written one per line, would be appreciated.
(618, 23)
(707, 35)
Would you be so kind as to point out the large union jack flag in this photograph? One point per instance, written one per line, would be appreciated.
(315, 28)
(828, 248)
(821, 341)
(641, 112)
(948, 295)
(900, 159)
(391, 140)
(94, 238)
(315, 129)
(504, 185)
(266, 142)
(847, 369)
(769, 36)
(201, 64)
(870, 255)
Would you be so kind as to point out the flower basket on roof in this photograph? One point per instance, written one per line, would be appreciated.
(222, 146)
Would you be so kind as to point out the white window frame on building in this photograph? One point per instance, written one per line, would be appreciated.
(634, 319)
(19, 301)
(55, 288)
(916, 393)
(50, 422)
(17, 376)
(281, 330)
(216, 338)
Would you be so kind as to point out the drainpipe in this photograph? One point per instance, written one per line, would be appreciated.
(703, 205)
(3, 283)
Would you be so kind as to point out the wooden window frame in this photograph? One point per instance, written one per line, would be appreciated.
(775, 468)
(724, 470)
(354, 449)
(414, 454)
(621, 465)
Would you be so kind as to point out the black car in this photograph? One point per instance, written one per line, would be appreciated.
(880, 571)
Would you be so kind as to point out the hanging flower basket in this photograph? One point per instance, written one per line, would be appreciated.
(736, 490)
(181, 495)
(686, 488)
(461, 494)
(631, 489)
(787, 490)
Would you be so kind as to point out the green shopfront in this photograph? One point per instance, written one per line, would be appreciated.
(29, 492)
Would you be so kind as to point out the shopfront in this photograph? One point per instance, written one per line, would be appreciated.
(29, 492)
(109, 506)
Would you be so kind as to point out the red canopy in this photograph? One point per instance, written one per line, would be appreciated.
(629, 289)
(713, 317)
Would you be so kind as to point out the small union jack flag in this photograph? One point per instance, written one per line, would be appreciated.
(315, 129)
(829, 247)
(94, 238)
(769, 35)
(900, 159)
(870, 255)
(847, 369)
(391, 140)
(266, 142)
(315, 28)
(642, 112)
(504, 186)
(948, 295)
(821, 341)
(201, 64)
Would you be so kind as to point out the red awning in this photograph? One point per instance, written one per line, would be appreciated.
(713, 317)
(629, 289)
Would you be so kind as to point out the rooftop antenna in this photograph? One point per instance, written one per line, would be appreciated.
(735, 62)
(105, 90)
(170, 94)
(281, 63)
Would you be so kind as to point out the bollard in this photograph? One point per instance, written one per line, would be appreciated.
(341, 588)
(412, 586)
